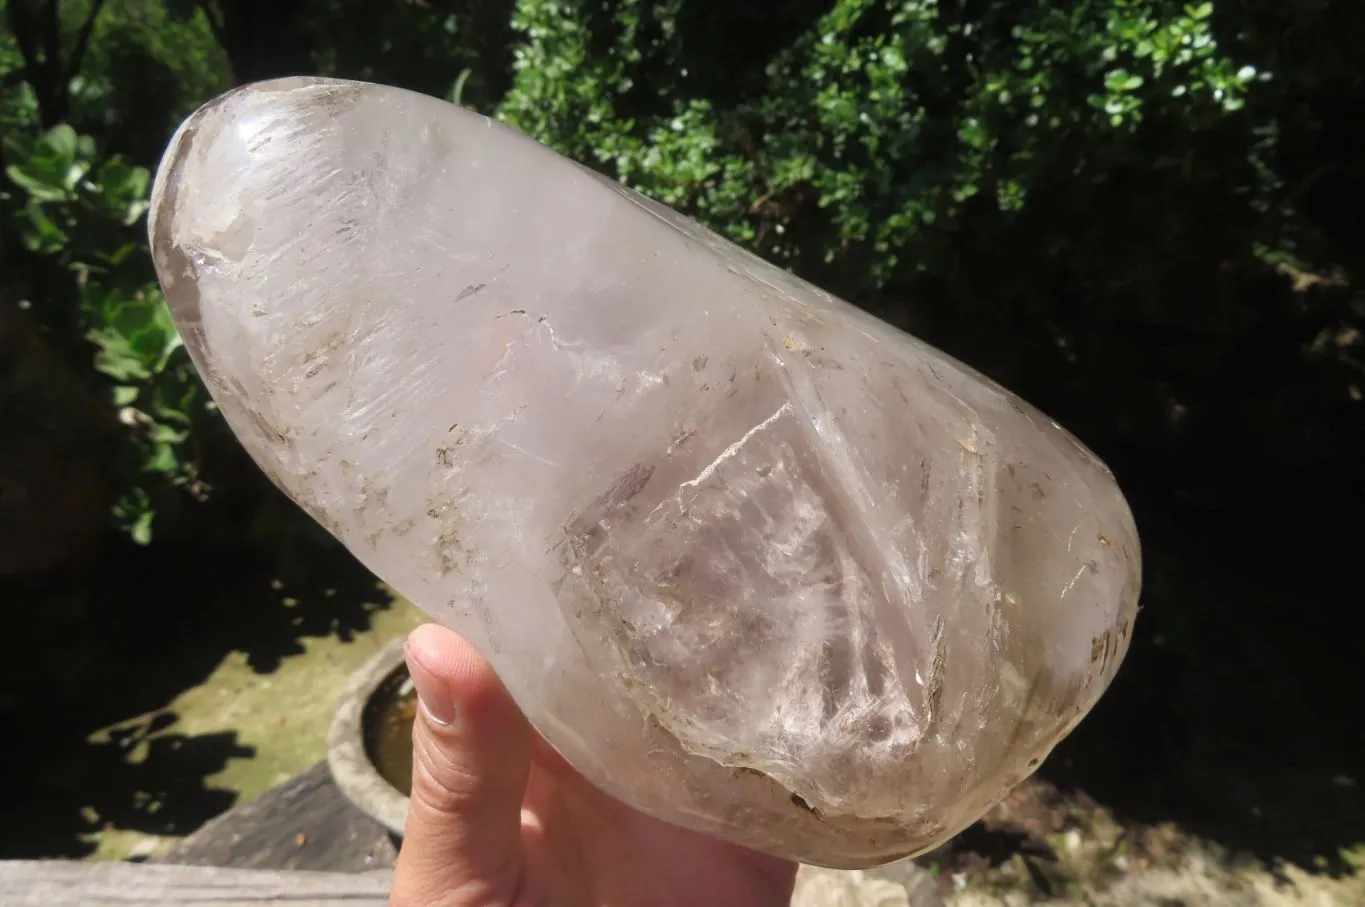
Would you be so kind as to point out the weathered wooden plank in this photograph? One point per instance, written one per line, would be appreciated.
(57, 883)
(60, 883)
(304, 824)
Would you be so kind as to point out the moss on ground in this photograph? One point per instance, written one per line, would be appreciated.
(283, 716)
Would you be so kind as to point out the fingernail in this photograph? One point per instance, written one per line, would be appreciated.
(432, 695)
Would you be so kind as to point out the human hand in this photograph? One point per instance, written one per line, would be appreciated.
(499, 819)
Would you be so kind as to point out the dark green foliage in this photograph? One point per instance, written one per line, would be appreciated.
(1082, 198)
(78, 219)
(147, 69)
(430, 47)
(1141, 213)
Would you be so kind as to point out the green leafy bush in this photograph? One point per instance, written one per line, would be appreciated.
(1104, 203)
(895, 120)
(82, 217)
(1078, 197)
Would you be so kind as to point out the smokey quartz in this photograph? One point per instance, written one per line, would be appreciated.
(754, 561)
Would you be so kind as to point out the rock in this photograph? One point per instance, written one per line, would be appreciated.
(754, 561)
(818, 887)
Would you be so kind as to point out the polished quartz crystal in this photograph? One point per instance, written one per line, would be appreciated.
(754, 561)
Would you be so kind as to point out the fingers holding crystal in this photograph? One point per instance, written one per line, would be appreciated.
(471, 760)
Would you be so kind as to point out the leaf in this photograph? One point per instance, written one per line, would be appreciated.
(457, 90)
(163, 460)
(116, 357)
(149, 344)
(132, 317)
(135, 212)
(141, 530)
(1121, 80)
(36, 183)
(74, 174)
(165, 434)
(121, 254)
(62, 139)
(43, 235)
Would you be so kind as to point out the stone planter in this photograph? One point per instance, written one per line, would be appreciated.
(372, 688)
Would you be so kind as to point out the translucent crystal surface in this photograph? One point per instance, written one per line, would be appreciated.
(751, 559)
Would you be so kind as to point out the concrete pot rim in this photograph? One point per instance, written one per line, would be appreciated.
(355, 775)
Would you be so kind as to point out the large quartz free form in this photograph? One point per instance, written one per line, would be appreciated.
(754, 561)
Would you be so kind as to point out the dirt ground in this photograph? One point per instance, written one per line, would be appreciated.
(1046, 847)
(156, 691)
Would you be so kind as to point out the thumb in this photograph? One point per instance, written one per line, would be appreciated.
(470, 763)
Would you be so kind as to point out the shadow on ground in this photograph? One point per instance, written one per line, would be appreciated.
(89, 662)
